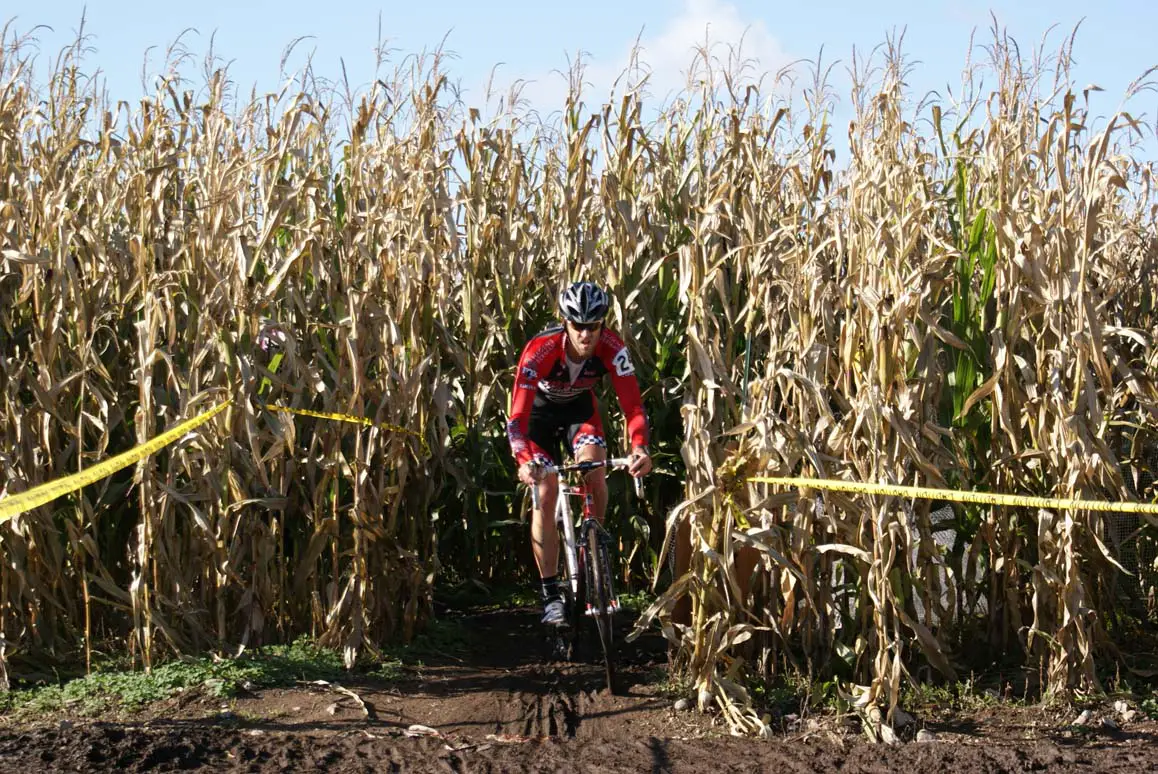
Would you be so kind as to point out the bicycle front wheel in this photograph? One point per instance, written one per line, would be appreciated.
(600, 600)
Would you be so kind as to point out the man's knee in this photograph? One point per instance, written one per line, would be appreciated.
(590, 451)
(548, 491)
(594, 480)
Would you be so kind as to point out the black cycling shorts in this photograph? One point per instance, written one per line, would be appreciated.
(575, 422)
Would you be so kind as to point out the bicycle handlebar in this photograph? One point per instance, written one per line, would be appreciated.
(585, 466)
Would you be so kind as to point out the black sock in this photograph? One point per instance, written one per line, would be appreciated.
(550, 588)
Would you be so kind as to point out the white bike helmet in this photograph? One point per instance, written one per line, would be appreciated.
(583, 302)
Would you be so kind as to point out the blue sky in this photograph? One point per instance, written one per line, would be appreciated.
(532, 40)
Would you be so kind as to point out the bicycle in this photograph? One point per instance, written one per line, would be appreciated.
(585, 565)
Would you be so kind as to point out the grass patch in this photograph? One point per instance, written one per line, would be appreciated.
(636, 601)
(963, 696)
(794, 694)
(670, 685)
(441, 637)
(112, 687)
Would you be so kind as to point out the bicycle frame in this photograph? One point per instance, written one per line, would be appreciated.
(563, 517)
(565, 522)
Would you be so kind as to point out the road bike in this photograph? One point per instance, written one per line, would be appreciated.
(585, 568)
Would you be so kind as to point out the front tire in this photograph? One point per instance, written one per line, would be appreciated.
(599, 593)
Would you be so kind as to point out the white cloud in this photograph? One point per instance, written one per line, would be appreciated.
(669, 54)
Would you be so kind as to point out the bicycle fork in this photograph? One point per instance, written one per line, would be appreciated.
(572, 541)
(604, 565)
(564, 522)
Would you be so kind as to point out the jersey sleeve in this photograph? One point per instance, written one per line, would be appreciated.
(522, 398)
(617, 361)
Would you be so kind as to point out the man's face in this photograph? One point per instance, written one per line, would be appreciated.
(584, 337)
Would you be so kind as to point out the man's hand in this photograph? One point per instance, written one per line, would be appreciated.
(640, 462)
(530, 472)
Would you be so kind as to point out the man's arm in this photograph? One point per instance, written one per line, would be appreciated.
(522, 398)
(627, 390)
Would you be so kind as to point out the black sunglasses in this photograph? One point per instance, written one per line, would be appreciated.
(587, 326)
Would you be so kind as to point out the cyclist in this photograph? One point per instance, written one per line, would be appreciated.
(554, 402)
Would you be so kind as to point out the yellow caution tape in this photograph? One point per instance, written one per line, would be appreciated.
(349, 418)
(14, 505)
(37, 496)
(275, 363)
(981, 498)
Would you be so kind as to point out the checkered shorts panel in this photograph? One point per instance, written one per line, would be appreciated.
(588, 439)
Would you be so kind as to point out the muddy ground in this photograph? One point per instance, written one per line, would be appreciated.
(503, 706)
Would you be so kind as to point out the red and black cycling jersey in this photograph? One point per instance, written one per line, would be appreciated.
(543, 371)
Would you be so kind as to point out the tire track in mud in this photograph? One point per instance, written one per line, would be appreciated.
(533, 694)
(556, 708)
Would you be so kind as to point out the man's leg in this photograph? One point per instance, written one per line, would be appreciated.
(545, 546)
(546, 431)
(589, 445)
(595, 480)
(544, 534)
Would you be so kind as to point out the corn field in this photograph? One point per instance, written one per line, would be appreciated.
(965, 302)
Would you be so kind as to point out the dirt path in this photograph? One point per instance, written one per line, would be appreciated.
(505, 708)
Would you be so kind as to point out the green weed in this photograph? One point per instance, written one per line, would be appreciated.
(111, 687)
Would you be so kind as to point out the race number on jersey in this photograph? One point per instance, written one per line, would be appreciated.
(622, 363)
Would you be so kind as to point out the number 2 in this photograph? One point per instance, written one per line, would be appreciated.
(622, 362)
